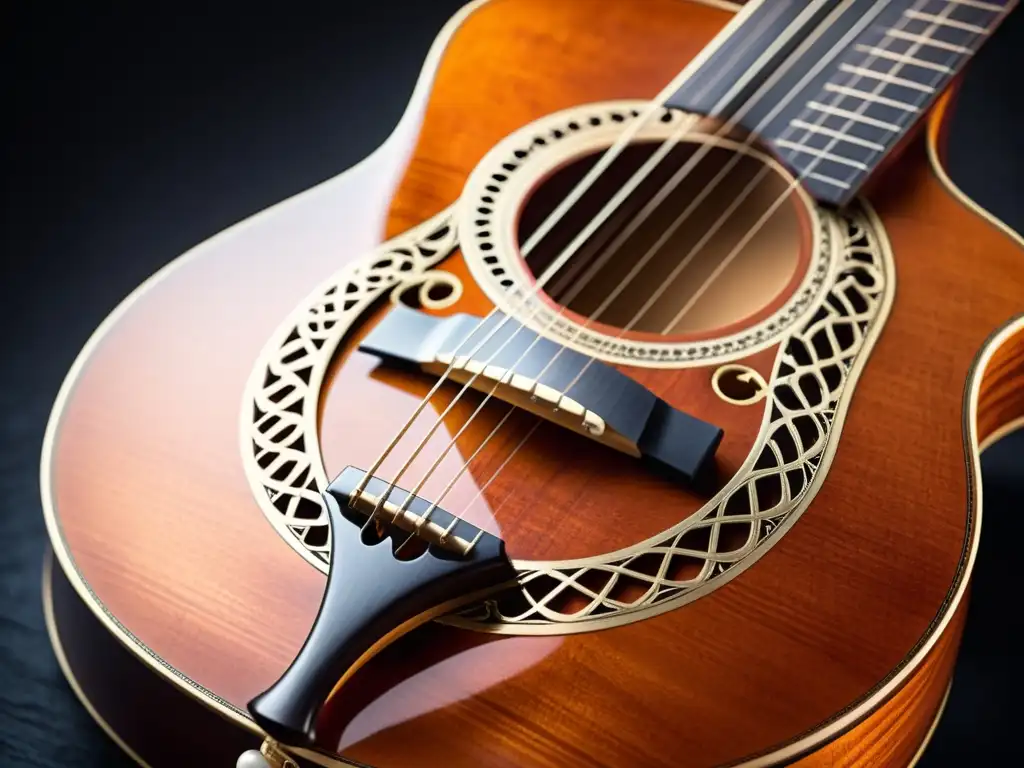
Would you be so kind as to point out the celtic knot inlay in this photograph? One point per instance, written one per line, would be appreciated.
(810, 390)
(280, 444)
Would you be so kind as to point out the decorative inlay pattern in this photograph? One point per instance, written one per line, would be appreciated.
(280, 444)
(821, 354)
(739, 384)
(488, 220)
(809, 389)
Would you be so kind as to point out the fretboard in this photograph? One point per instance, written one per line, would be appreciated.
(833, 85)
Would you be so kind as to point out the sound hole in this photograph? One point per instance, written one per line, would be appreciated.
(728, 262)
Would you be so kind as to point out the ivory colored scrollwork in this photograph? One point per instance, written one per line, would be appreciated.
(279, 440)
(739, 385)
(807, 393)
(435, 289)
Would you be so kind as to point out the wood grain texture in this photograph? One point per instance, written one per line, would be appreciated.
(894, 733)
(160, 521)
(173, 728)
(1001, 392)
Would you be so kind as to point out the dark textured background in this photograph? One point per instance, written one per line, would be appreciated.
(132, 133)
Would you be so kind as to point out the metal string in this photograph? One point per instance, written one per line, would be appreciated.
(607, 158)
(614, 204)
(604, 162)
(722, 219)
(650, 207)
(744, 241)
(552, 269)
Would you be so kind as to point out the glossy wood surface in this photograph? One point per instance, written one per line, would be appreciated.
(893, 735)
(172, 728)
(160, 521)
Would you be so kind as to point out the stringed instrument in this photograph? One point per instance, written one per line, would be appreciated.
(623, 408)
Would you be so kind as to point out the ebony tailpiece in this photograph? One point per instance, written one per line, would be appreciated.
(373, 597)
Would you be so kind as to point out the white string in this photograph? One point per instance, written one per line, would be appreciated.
(719, 177)
(608, 157)
(739, 246)
(553, 268)
(649, 208)
(613, 205)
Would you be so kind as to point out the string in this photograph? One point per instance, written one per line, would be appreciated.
(898, 67)
(682, 173)
(841, 45)
(720, 176)
(624, 140)
(607, 158)
(553, 268)
(679, 175)
(612, 205)
(752, 232)
(686, 261)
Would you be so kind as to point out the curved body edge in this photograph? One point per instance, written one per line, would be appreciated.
(161, 725)
(881, 703)
(367, 185)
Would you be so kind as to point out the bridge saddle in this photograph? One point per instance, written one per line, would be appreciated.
(554, 401)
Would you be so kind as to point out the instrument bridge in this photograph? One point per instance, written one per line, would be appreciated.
(507, 360)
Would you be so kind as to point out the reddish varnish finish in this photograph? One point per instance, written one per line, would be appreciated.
(894, 733)
(156, 512)
(561, 496)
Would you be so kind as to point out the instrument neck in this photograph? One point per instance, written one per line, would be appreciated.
(832, 86)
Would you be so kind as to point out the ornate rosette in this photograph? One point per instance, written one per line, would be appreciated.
(825, 334)
(489, 215)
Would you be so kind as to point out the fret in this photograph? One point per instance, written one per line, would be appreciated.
(945, 33)
(852, 128)
(887, 80)
(961, 11)
(795, 147)
(855, 116)
(822, 173)
(928, 41)
(850, 139)
(872, 97)
(828, 180)
(945, 22)
(903, 58)
(979, 5)
(838, 100)
(885, 77)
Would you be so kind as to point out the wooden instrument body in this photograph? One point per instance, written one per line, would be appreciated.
(850, 621)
